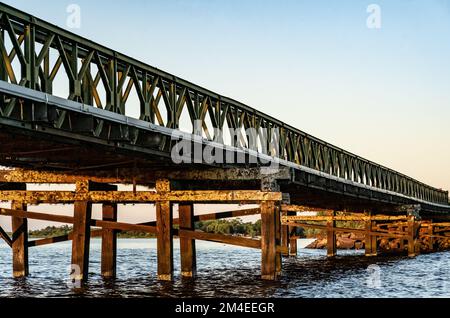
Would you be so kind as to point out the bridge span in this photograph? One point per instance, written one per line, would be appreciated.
(66, 106)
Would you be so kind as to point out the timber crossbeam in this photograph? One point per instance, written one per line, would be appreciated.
(142, 175)
(66, 197)
(5, 237)
(355, 218)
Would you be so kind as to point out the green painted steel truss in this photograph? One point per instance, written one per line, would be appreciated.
(36, 54)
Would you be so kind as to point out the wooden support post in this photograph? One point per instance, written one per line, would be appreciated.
(431, 238)
(187, 245)
(19, 242)
(374, 239)
(268, 241)
(412, 236)
(371, 240)
(285, 238)
(331, 237)
(164, 233)
(109, 241)
(109, 236)
(292, 241)
(81, 235)
(279, 260)
(401, 228)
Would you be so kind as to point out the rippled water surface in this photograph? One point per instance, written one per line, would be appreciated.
(225, 271)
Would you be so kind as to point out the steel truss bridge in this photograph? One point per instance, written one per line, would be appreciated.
(65, 117)
(88, 126)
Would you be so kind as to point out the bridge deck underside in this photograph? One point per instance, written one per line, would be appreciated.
(71, 154)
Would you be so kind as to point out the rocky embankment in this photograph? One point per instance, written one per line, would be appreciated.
(357, 242)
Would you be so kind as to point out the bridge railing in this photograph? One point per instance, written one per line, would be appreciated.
(43, 57)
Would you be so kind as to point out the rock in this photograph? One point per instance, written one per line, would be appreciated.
(384, 244)
(346, 235)
(394, 245)
(346, 243)
(359, 245)
(313, 245)
(321, 244)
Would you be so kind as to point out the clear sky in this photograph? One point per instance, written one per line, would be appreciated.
(382, 93)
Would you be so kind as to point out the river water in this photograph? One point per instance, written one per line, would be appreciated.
(225, 271)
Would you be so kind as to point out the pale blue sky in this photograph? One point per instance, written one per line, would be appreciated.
(382, 94)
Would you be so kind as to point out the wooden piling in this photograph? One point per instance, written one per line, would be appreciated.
(278, 239)
(187, 245)
(164, 233)
(109, 242)
(285, 238)
(292, 241)
(431, 239)
(19, 242)
(412, 236)
(164, 240)
(401, 228)
(331, 237)
(268, 241)
(371, 239)
(81, 240)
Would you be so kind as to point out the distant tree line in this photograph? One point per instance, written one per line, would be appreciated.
(234, 227)
(231, 227)
(51, 231)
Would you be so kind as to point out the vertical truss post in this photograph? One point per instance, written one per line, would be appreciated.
(29, 70)
(164, 233)
(47, 83)
(187, 245)
(74, 83)
(87, 87)
(3, 73)
(112, 68)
